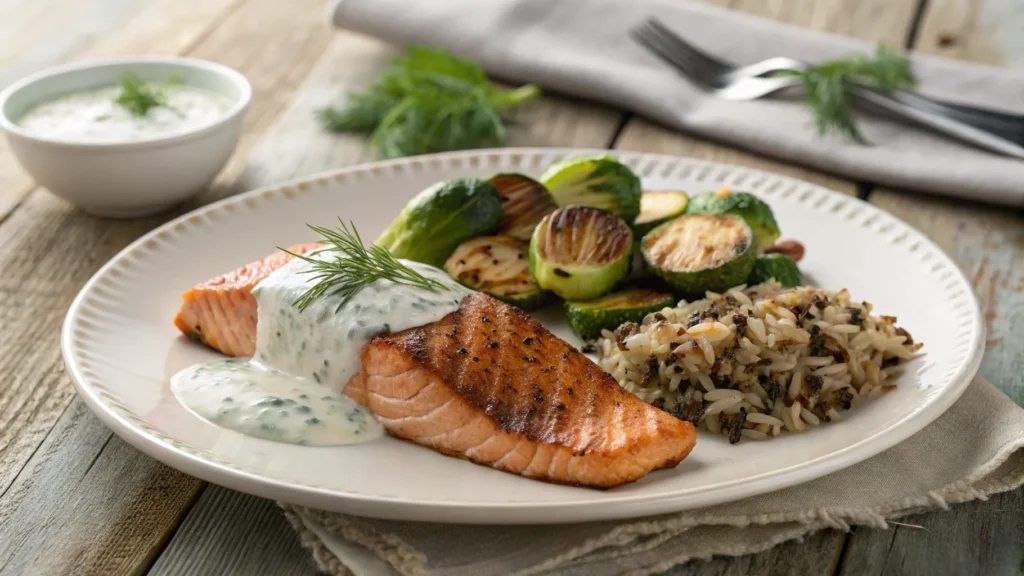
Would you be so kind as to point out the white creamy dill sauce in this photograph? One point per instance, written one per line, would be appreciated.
(92, 116)
(290, 391)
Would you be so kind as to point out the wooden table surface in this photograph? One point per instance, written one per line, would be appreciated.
(75, 499)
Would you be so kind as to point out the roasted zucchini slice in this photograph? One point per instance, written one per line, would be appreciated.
(524, 201)
(597, 181)
(497, 265)
(695, 253)
(744, 204)
(780, 267)
(580, 252)
(610, 311)
(657, 208)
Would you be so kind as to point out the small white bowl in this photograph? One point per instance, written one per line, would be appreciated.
(129, 179)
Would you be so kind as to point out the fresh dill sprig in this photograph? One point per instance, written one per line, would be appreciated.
(355, 267)
(138, 96)
(827, 87)
(428, 101)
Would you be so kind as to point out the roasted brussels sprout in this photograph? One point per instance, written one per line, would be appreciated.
(597, 181)
(751, 208)
(699, 252)
(498, 266)
(778, 266)
(524, 201)
(657, 208)
(610, 311)
(580, 252)
(440, 218)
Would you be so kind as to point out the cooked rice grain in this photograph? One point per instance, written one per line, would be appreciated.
(760, 359)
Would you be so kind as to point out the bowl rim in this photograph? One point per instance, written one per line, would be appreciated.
(234, 76)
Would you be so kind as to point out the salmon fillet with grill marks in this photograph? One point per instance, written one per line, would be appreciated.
(221, 312)
(487, 383)
(490, 384)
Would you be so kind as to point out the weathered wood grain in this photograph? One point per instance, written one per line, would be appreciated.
(54, 521)
(986, 31)
(972, 538)
(816, 554)
(232, 533)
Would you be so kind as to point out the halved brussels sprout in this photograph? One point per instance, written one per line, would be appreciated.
(658, 207)
(440, 218)
(751, 208)
(699, 252)
(524, 201)
(610, 311)
(597, 181)
(498, 266)
(778, 266)
(580, 252)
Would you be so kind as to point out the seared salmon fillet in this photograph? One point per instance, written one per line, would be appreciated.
(221, 312)
(490, 384)
(486, 383)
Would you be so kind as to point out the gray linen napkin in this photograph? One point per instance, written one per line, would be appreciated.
(972, 451)
(581, 47)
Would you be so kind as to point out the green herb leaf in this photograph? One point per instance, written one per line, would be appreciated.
(137, 96)
(827, 87)
(354, 266)
(428, 101)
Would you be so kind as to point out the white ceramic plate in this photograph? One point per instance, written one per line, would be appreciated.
(121, 349)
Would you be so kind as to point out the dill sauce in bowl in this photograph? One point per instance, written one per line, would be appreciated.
(68, 133)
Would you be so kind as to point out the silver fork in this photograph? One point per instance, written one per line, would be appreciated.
(724, 74)
(994, 131)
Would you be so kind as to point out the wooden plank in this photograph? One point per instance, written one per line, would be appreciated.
(232, 533)
(161, 27)
(986, 31)
(53, 521)
(973, 538)
(44, 32)
(816, 554)
(882, 21)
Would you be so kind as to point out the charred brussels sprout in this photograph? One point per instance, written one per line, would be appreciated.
(597, 181)
(610, 311)
(497, 265)
(440, 218)
(779, 267)
(749, 207)
(657, 208)
(524, 201)
(580, 252)
(699, 252)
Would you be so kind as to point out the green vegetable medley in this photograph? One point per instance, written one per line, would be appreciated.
(585, 233)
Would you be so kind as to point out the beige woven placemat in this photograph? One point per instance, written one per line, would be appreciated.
(972, 451)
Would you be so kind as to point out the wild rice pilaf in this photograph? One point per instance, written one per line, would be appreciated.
(757, 360)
